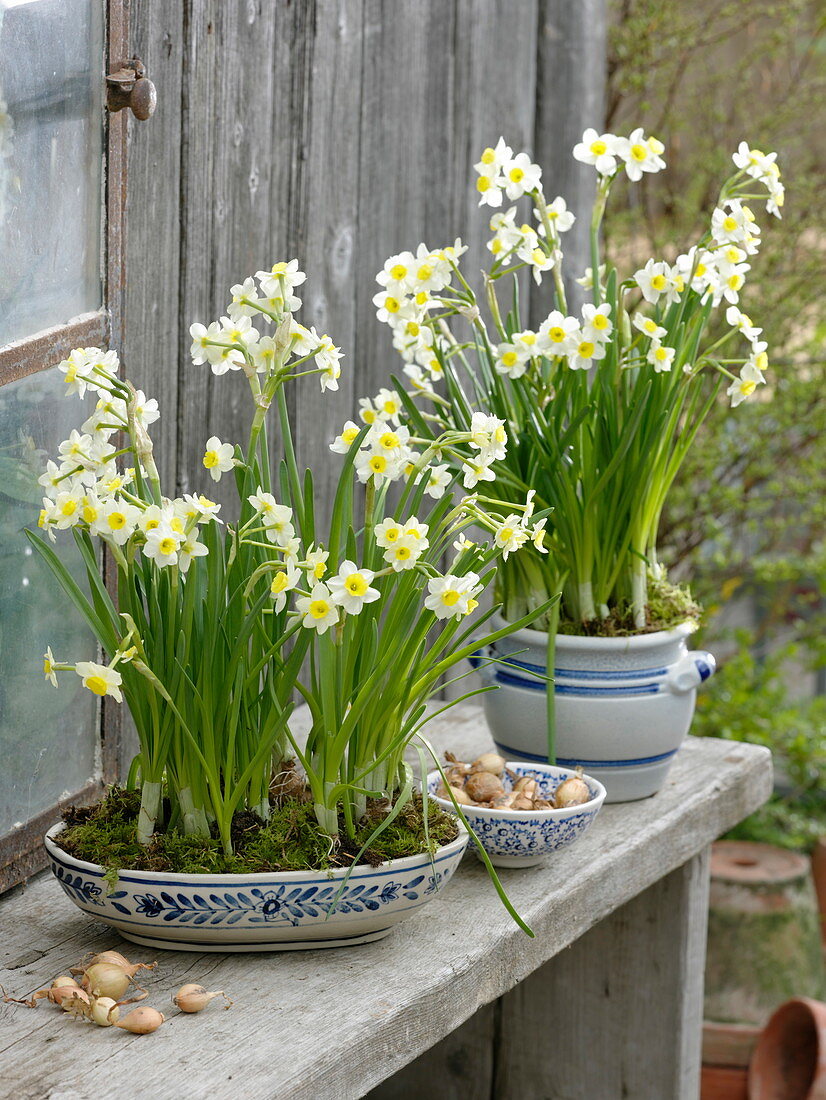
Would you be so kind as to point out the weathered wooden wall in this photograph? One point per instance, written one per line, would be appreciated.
(336, 131)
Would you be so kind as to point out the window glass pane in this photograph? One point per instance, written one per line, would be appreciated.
(51, 147)
(47, 736)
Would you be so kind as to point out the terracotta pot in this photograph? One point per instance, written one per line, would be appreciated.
(789, 1061)
(819, 875)
(763, 933)
(724, 1083)
(727, 1049)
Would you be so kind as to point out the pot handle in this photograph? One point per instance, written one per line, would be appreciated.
(479, 663)
(691, 671)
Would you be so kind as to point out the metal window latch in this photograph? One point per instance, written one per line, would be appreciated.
(130, 87)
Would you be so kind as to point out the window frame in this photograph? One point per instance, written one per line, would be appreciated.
(22, 852)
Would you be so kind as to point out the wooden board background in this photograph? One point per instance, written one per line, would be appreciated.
(338, 132)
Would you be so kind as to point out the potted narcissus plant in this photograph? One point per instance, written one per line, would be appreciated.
(601, 408)
(232, 831)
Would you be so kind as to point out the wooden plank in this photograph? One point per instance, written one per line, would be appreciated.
(620, 1012)
(324, 207)
(404, 140)
(225, 204)
(458, 1067)
(494, 95)
(334, 1024)
(150, 351)
(570, 95)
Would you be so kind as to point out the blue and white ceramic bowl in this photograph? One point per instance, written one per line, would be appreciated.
(271, 911)
(520, 838)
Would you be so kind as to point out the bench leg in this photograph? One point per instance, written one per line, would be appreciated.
(619, 1013)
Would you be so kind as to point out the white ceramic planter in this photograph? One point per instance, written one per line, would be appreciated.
(276, 911)
(623, 705)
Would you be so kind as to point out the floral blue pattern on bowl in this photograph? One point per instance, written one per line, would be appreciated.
(272, 911)
(520, 838)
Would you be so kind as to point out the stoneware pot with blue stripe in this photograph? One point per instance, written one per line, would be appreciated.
(623, 705)
(271, 911)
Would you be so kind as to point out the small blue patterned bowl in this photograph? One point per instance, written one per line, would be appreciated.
(520, 838)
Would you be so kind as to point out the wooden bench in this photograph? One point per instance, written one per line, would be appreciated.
(605, 1002)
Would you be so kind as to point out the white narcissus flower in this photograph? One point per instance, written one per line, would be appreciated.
(239, 332)
(100, 679)
(430, 275)
(555, 332)
(343, 442)
(438, 481)
(703, 264)
(647, 326)
(244, 299)
(739, 320)
(327, 358)
(162, 544)
(316, 562)
(388, 532)
(417, 532)
(91, 509)
(598, 150)
(318, 610)
(583, 352)
(596, 322)
(404, 552)
(488, 437)
(262, 502)
(387, 405)
(204, 340)
(218, 457)
(754, 163)
(372, 464)
(397, 274)
(144, 409)
(351, 588)
(510, 535)
(75, 450)
(538, 534)
(282, 274)
(652, 280)
(52, 479)
(660, 357)
(387, 305)
(730, 224)
(76, 370)
(452, 596)
(511, 360)
(521, 176)
(388, 441)
(65, 510)
(540, 261)
(277, 517)
(639, 154)
(750, 378)
(189, 549)
(278, 525)
(118, 522)
(304, 341)
(48, 667)
(559, 215)
(198, 508)
(263, 354)
(474, 472)
(493, 160)
(732, 281)
(284, 581)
